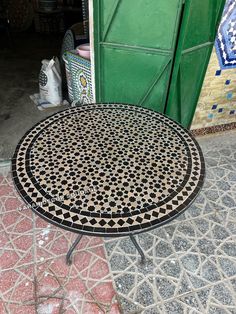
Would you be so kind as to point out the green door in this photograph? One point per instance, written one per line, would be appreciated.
(197, 35)
(134, 44)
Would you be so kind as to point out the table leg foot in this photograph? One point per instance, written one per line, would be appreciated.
(143, 259)
(69, 253)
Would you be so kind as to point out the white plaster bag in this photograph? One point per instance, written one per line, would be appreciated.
(50, 81)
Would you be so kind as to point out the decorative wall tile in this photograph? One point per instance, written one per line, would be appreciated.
(226, 37)
(217, 100)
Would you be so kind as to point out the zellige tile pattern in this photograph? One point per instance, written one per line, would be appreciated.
(137, 169)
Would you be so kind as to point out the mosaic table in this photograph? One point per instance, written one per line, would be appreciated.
(108, 170)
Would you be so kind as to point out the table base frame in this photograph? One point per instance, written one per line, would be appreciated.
(77, 240)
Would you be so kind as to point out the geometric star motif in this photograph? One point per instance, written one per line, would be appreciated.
(226, 38)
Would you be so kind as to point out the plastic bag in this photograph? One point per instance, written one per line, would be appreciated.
(50, 81)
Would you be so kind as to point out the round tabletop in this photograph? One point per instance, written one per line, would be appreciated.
(108, 169)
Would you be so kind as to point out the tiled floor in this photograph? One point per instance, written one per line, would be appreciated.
(191, 262)
(34, 277)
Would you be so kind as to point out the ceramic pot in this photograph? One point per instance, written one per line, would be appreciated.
(84, 50)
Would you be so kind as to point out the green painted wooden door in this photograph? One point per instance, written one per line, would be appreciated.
(134, 43)
(197, 35)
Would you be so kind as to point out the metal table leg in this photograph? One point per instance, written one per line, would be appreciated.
(69, 253)
(143, 259)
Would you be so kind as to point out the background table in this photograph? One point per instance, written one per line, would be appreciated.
(108, 170)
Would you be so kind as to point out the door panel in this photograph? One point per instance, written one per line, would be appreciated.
(198, 30)
(203, 20)
(129, 75)
(125, 22)
(192, 68)
(134, 50)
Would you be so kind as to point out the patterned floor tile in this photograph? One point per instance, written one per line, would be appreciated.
(191, 262)
(190, 268)
(34, 277)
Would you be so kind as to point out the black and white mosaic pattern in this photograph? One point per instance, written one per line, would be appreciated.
(108, 169)
(43, 79)
(191, 262)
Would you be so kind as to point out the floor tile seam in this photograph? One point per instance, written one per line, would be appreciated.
(24, 276)
(74, 306)
(61, 280)
(229, 285)
(9, 302)
(47, 248)
(98, 256)
(180, 279)
(88, 290)
(48, 252)
(198, 233)
(8, 211)
(123, 253)
(225, 257)
(218, 267)
(88, 266)
(201, 308)
(13, 249)
(85, 282)
(64, 293)
(156, 294)
(217, 303)
(120, 251)
(92, 261)
(160, 303)
(17, 235)
(232, 221)
(190, 237)
(223, 253)
(195, 290)
(206, 217)
(178, 298)
(12, 290)
(223, 193)
(91, 247)
(135, 286)
(18, 221)
(224, 241)
(180, 253)
(18, 251)
(49, 259)
(208, 259)
(175, 253)
(121, 295)
(110, 270)
(98, 281)
(50, 243)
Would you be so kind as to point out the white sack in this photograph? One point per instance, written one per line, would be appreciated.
(50, 81)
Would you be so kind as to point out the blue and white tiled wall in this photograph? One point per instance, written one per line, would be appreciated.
(217, 102)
